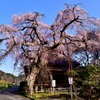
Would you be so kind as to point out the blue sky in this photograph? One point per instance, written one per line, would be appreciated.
(48, 7)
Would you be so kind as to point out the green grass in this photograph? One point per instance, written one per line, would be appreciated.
(5, 85)
(44, 95)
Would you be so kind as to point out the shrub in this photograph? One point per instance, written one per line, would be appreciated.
(3, 84)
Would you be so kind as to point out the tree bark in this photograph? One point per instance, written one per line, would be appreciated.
(31, 79)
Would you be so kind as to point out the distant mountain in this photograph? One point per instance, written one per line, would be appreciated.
(11, 78)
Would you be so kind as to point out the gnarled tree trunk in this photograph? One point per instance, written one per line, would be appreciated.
(31, 79)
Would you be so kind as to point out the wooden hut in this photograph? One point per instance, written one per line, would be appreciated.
(55, 71)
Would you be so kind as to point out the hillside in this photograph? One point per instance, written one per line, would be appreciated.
(10, 77)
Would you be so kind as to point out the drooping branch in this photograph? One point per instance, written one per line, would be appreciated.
(61, 35)
(1, 40)
(66, 26)
(7, 52)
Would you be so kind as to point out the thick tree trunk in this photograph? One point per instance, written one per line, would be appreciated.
(31, 79)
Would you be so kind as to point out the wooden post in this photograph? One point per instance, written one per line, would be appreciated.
(70, 80)
(71, 91)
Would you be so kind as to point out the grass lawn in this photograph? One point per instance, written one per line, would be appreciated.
(42, 96)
